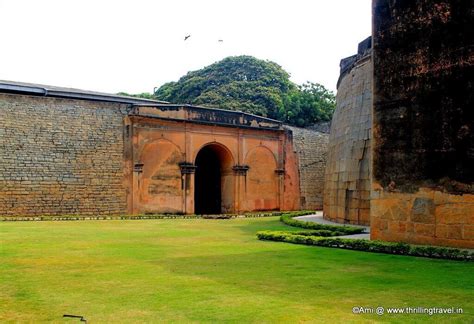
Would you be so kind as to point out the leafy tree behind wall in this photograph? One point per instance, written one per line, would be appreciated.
(308, 104)
(254, 86)
(143, 95)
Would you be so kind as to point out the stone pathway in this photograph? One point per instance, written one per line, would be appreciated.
(318, 218)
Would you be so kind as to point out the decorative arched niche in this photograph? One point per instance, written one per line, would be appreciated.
(160, 188)
(261, 181)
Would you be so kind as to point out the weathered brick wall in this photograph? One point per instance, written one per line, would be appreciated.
(60, 156)
(423, 129)
(311, 149)
(347, 176)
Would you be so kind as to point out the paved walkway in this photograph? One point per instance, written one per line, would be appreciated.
(318, 218)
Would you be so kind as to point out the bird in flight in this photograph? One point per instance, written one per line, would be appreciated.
(186, 37)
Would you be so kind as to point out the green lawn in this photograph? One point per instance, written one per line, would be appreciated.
(207, 271)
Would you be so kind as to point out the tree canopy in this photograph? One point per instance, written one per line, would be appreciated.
(143, 95)
(251, 85)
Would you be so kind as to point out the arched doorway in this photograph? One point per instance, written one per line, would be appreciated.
(213, 186)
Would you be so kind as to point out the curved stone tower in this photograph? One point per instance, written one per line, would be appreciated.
(423, 122)
(347, 176)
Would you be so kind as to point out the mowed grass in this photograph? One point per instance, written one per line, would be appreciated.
(210, 271)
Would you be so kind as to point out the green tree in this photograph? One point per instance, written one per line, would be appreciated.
(143, 95)
(251, 85)
(236, 83)
(310, 103)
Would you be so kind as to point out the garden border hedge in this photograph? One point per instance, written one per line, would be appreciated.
(436, 252)
(287, 218)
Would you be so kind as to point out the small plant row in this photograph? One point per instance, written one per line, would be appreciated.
(144, 216)
(365, 245)
(92, 217)
(323, 233)
(288, 219)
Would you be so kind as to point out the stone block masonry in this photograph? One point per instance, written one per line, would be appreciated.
(61, 156)
(70, 152)
(347, 178)
(311, 149)
(423, 122)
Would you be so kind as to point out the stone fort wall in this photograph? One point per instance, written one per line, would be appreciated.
(60, 156)
(347, 175)
(423, 129)
(311, 149)
(66, 156)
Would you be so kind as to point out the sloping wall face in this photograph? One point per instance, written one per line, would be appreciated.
(347, 175)
(60, 157)
(311, 148)
(423, 129)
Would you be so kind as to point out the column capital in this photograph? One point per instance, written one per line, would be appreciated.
(138, 167)
(240, 169)
(280, 171)
(187, 168)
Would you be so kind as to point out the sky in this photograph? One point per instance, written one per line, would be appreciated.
(136, 45)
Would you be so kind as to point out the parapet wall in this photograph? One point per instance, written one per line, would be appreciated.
(311, 149)
(347, 175)
(60, 156)
(423, 129)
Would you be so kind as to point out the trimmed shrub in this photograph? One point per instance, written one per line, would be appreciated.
(146, 216)
(287, 218)
(217, 216)
(323, 233)
(441, 253)
(369, 246)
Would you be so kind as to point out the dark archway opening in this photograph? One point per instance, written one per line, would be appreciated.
(207, 188)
